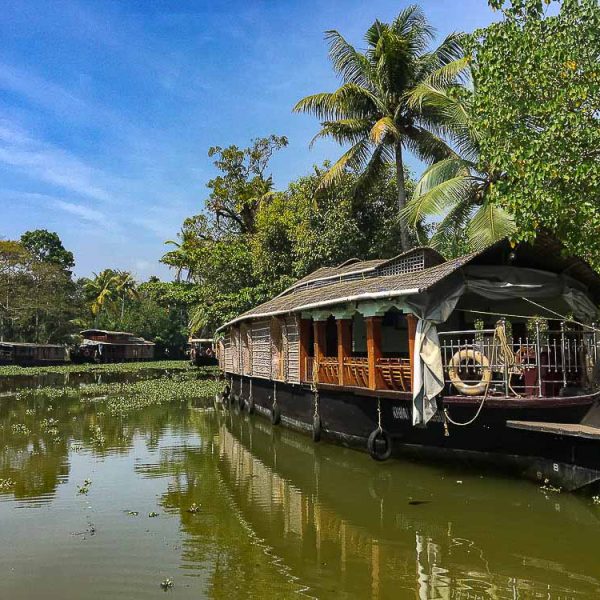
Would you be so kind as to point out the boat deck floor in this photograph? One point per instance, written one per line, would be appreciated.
(566, 429)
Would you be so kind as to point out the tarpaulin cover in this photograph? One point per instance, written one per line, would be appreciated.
(493, 282)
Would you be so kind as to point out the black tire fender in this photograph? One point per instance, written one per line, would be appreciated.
(380, 445)
(316, 428)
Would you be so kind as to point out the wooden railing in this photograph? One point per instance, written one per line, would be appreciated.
(356, 371)
(328, 370)
(395, 373)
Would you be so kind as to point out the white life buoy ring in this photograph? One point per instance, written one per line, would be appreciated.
(474, 356)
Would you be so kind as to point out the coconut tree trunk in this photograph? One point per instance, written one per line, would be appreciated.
(404, 239)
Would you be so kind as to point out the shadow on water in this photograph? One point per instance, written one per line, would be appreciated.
(243, 509)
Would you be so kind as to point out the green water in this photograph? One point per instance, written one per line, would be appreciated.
(277, 516)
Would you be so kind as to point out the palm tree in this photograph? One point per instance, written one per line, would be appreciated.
(370, 111)
(100, 291)
(456, 188)
(125, 288)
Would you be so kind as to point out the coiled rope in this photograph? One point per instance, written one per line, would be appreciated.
(499, 344)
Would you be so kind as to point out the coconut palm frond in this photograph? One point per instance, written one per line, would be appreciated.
(439, 199)
(450, 50)
(453, 224)
(374, 168)
(455, 71)
(355, 158)
(382, 128)
(411, 23)
(426, 145)
(344, 130)
(439, 172)
(353, 66)
(489, 224)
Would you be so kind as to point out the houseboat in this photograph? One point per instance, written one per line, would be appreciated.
(201, 352)
(26, 354)
(103, 346)
(418, 353)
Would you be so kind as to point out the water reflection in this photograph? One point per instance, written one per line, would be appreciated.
(248, 510)
(351, 529)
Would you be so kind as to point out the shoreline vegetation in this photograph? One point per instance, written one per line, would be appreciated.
(128, 367)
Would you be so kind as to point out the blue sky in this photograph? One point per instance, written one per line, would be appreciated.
(107, 109)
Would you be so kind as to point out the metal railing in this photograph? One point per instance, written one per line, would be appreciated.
(541, 364)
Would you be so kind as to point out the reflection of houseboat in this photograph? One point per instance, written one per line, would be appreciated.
(202, 352)
(20, 353)
(381, 534)
(112, 346)
(415, 352)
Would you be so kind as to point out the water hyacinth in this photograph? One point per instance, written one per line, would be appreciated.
(130, 367)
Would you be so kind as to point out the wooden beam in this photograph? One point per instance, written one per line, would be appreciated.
(319, 329)
(373, 350)
(305, 325)
(344, 345)
(412, 330)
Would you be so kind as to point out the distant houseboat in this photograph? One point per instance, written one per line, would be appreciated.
(25, 354)
(112, 346)
(202, 352)
(425, 353)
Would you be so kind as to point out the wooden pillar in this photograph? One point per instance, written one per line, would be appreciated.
(319, 329)
(412, 330)
(344, 345)
(304, 346)
(373, 349)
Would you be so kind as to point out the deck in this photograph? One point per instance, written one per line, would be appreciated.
(575, 430)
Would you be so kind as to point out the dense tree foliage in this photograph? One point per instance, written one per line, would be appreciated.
(537, 78)
(293, 232)
(38, 298)
(46, 246)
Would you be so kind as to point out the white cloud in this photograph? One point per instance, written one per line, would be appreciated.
(43, 161)
(83, 212)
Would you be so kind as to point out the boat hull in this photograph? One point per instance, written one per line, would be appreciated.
(349, 416)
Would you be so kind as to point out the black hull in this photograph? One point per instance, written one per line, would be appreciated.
(348, 418)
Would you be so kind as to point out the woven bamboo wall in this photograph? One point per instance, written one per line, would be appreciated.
(292, 328)
(264, 348)
(246, 341)
(261, 348)
(236, 350)
(228, 356)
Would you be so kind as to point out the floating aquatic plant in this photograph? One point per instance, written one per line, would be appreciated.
(166, 584)
(85, 488)
(6, 484)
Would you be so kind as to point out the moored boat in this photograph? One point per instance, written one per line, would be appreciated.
(420, 353)
(201, 351)
(29, 354)
(103, 346)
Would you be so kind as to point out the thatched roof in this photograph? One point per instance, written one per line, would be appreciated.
(367, 288)
(355, 266)
(357, 280)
